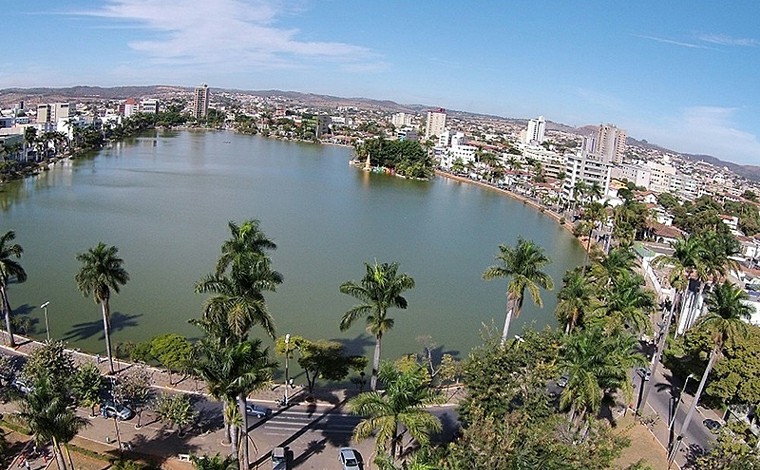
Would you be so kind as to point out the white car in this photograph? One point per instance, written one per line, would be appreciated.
(348, 458)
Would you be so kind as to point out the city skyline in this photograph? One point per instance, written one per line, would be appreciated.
(679, 74)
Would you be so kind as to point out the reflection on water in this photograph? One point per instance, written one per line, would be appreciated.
(165, 199)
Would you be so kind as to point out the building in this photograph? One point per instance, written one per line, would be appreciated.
(587, 168)
(129, 107)
(609, 143)
(535, 131)
(435, 123)
(53, 112)
(553, 163)
(200, 101)
(400, 120)
(322, 126)
(149, 106)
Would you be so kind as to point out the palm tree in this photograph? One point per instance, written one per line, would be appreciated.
(51, 416)
(231, 372)
(725, 322)
(522, 264)
(380, 289)
(401, 405)
(626, 303)
(248, 244)
(575, 299)
(594, 212)
(102, 271)
(596, 363)
(217, 462)
(9, 269)
(619, 262)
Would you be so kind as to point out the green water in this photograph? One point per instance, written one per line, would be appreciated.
(165, 201)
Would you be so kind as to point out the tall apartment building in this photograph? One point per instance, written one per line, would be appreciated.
(552, 162)
(587, 168)
(535, 131)
(609, 143)
(200, 101)
(435, 123)
(53, 112)
(658, 178)
(129, 107)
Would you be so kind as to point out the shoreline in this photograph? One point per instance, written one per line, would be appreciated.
(540, 209)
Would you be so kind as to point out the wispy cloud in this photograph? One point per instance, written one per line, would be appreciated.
(236, 33)
(600, 99)
(724, 40)
(691, 45)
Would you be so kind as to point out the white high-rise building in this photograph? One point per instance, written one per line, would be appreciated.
(435, 123)
(535, 132)
(400, 120)
(586, 168)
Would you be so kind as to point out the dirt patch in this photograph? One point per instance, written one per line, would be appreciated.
(644, 446)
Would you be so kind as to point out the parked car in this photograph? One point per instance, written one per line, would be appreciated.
(109, 409)
(280, 458)
(21, 384)
(348, 458)
(259, 411)
(644, 372)
(712, 424)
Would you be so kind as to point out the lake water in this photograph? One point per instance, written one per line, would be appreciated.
(165, 200)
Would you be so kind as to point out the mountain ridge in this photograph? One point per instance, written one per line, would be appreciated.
(83, 92)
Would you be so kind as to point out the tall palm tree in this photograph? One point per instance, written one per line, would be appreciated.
(619, 262)
(575, 299)
(51, 416)
(402, 405)
(593, 213)
(237, 303)
(725, 322)
(9, 269)
(231, 372)
(522, 265)
(380, 289)
(101, 272)
(247, 244)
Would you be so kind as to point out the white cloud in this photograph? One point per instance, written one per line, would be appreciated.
(235, 34)
(724, 40)
(690, 45)
(709, 130)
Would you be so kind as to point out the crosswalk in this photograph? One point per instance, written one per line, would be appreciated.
(288, 422)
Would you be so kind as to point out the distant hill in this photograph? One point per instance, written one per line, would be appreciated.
(11, 96)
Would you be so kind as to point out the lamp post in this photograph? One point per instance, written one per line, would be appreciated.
(678, 402)
(673, 447)
(287, 355)
(47, 326)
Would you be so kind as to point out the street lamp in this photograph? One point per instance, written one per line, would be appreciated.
(678, 402)
(673, 448)
(47, 326)
(287, 355)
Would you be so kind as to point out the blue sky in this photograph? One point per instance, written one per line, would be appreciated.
(683, 74)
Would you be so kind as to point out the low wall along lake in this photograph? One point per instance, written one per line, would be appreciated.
(165, 199)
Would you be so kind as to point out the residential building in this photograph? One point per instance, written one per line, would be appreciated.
(587, 168)
(200, 101)
(552, 162)
(535, 131)
(400, 120)
(129, 107)
(609, 143)
(149, 106)
(323, 126)
(435, 123)
(53, 112)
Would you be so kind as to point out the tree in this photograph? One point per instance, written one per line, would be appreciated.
(522, 265)
(575, 299)
(725, 322)
(9, 269)
(325, 360)
(625, 304)
(730, 452)
(102, 271)
(379, 289)
(51, 416)
(134, 389)
(401, 406)
(177, 410)
(750, 195)
(173, 352)
(217, 462)
(51, 361)
(87, 385)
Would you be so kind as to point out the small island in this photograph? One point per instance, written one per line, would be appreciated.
(405, 158)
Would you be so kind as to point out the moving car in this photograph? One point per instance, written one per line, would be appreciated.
(348, 458)
(562, 381)
(644, 372)
(280, 458)
(109, 409)
(259, 411)
(20, 384)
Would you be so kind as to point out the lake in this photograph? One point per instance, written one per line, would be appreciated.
(165, 199)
